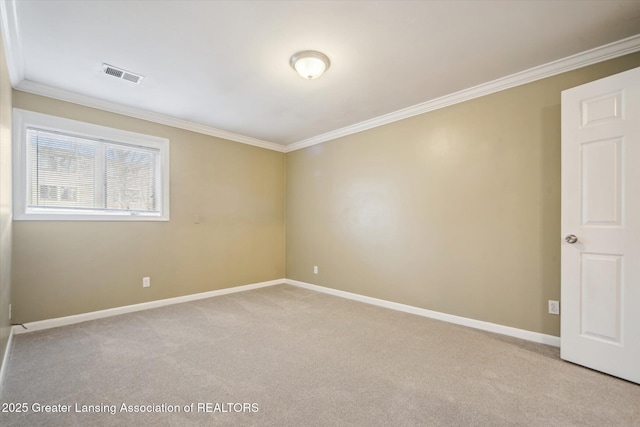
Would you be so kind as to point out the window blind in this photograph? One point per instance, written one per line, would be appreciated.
(71, 172)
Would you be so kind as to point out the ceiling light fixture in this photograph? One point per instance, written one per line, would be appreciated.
(310, 64)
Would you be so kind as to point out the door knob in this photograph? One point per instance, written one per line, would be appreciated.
(571, 239)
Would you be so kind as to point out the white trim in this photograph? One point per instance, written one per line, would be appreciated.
(138, 113)
(15, 63)
(22, 119)
(573, 62)
(15, 60)
(84, 317)
(11, 36)
(458, 320)
(5, 360)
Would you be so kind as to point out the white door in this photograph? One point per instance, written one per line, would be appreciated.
(601, 208)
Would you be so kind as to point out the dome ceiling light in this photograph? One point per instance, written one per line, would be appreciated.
(310, 64)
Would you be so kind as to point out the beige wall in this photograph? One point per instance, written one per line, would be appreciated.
(5, 201)
(456, 210)
(235, 192)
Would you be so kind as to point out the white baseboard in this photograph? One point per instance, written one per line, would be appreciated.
(458, 320)
(5, 359)
(465, 321)
(69, 320)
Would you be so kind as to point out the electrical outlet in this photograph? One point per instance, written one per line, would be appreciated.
(554, 307)
(146, 282)
(315, 269)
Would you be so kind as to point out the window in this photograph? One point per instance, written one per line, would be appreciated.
(69, 170)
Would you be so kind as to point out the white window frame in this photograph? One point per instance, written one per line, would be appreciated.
(23, 119)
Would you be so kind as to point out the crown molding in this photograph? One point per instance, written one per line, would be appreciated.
(573, 62)
(12, 46)
(15, 62)
(88, 101)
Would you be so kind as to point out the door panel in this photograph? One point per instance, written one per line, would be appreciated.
(601, 109)
(600, 293)
(601, 192)
(600, 325)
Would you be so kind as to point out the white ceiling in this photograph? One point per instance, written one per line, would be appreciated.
(225, 65)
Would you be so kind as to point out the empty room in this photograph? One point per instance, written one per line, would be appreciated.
(320, 213)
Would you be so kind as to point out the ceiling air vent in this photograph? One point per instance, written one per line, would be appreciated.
(122, 74)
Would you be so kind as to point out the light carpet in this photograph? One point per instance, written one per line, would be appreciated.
(286, 356)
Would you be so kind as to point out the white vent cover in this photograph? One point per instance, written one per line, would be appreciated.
(119, 73)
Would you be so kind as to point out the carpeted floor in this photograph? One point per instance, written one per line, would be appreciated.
(285, 356)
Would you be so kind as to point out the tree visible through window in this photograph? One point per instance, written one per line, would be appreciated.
(70, 170)
(130, 179)
(73, 172)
